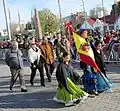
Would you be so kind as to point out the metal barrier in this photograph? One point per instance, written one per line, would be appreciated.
(105, 52)
(24, 52)
(112, 54)
(2, 53)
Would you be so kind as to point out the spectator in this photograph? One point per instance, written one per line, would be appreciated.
(47, 52)
(34, 54)
(14, 60)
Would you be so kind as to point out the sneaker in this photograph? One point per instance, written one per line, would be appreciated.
(23, 90)
(96, 93)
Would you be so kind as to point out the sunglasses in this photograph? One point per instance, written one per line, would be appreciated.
(33, 44)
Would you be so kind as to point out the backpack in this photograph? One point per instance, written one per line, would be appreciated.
(14, 62)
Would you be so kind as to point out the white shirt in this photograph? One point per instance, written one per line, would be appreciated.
(33, 55)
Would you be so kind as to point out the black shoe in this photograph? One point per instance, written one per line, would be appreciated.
(32, 84)
(92, 96)
(77, 102)
(93, 93)
(43, 85)
(10, 88)
(49, 80)
(100, 92)
(23, 90)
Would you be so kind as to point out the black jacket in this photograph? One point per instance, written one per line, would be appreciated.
(63, 71)
(99, 59)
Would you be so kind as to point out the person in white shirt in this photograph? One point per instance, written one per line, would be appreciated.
(34, 54)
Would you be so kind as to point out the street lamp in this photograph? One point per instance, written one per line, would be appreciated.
(6, 19)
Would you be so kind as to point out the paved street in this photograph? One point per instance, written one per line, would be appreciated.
(40, 98)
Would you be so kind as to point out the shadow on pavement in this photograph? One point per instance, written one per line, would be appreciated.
(30, 100)
(41, 99)
(2, 62)
(27, 81)
(116, 80)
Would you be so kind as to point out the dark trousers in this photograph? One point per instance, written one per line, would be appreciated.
(33, 73)
(49, 70)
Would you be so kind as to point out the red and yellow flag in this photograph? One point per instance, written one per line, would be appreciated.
(85, 56)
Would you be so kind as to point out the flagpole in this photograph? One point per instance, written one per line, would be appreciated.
(6, 19)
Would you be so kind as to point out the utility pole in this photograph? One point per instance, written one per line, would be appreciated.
(6, 19)
(103, 11)
(32, 22)
(116, 4)
(38, 25)
(61, 25)
(85, 16)
(10, 19)
(19, 21)
(103, 14)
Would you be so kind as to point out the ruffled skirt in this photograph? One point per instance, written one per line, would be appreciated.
(70, 98)
(95, 82)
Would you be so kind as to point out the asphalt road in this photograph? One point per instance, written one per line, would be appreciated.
(41, 98)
